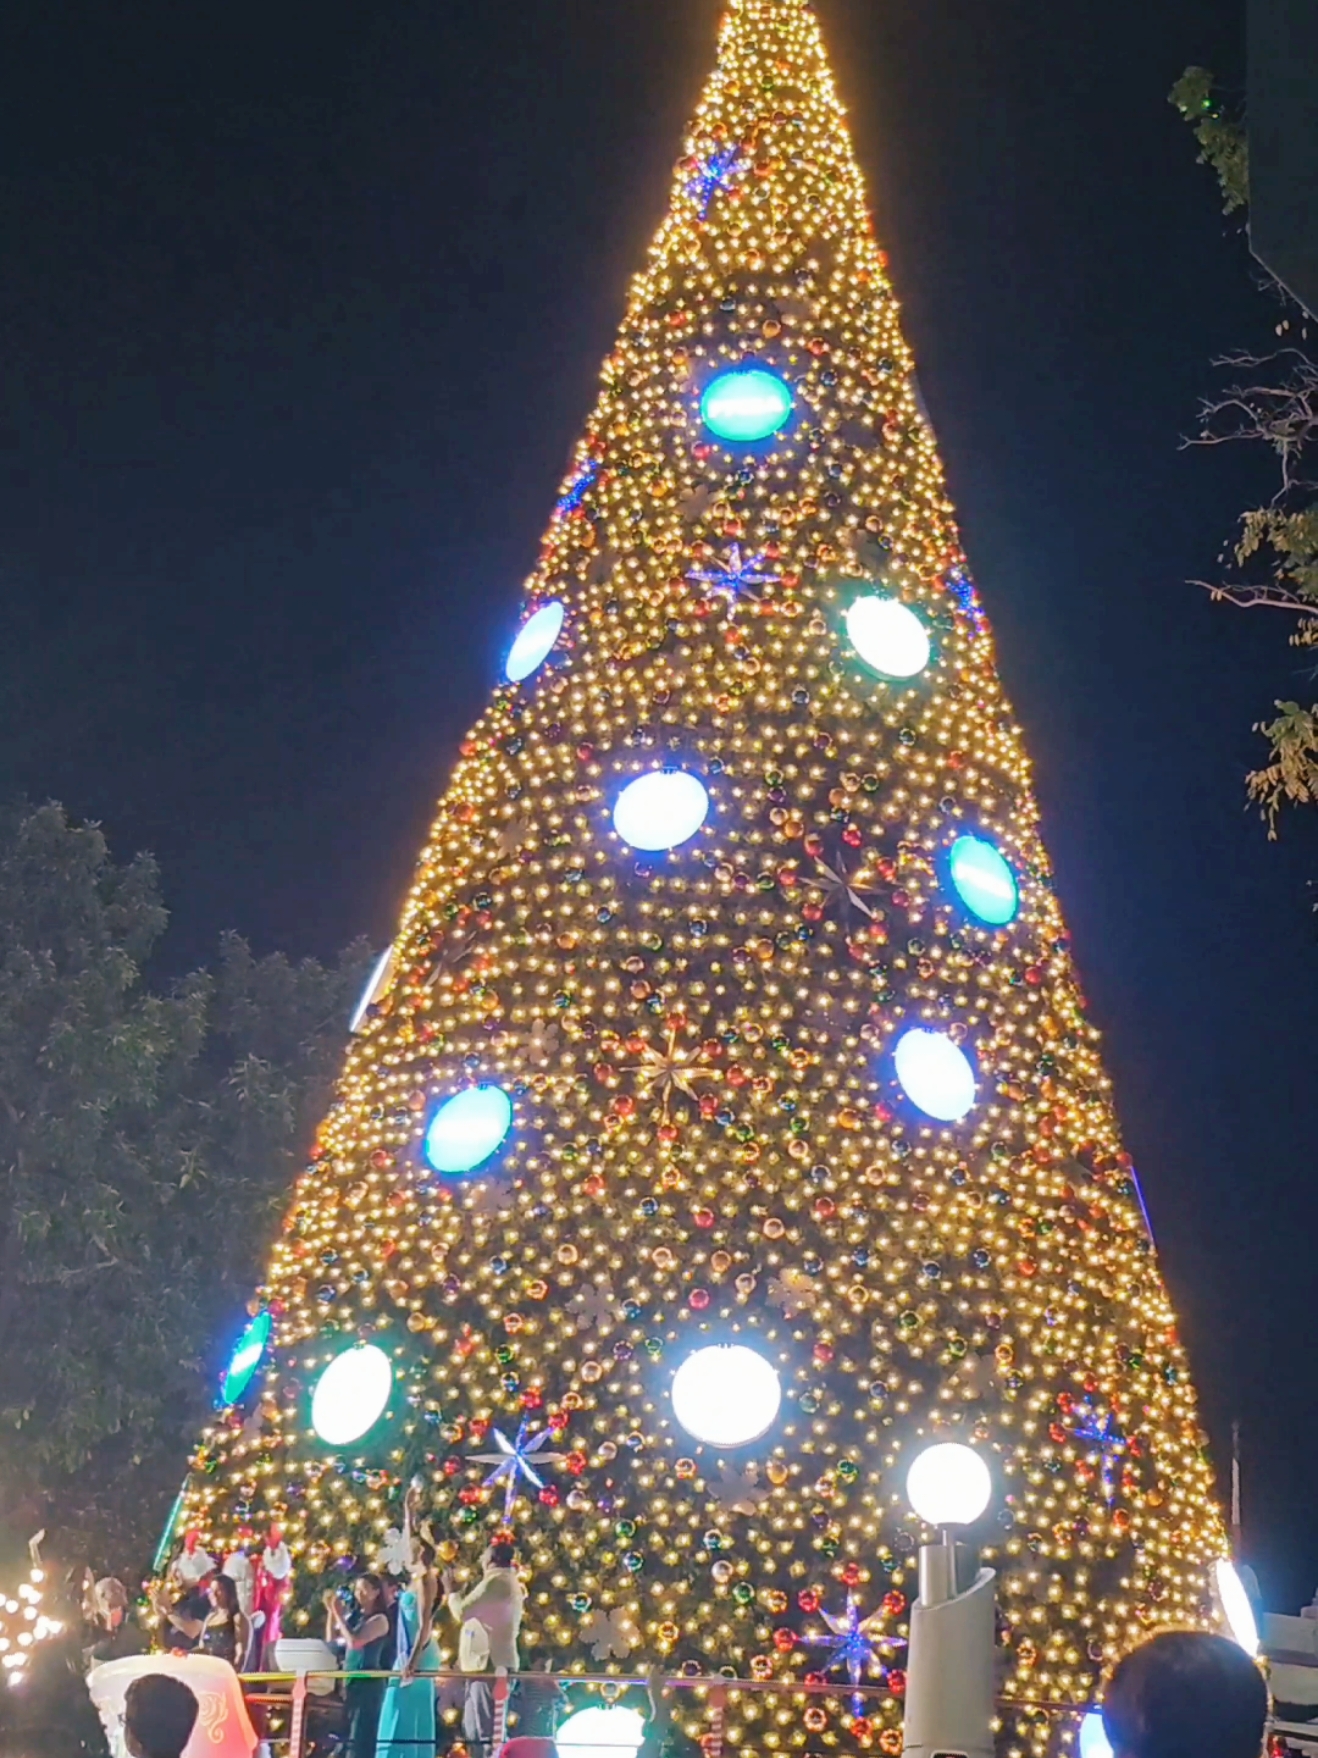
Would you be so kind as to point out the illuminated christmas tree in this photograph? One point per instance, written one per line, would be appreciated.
(732, 1006)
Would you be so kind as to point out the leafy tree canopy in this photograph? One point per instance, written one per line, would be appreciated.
(149, 1136)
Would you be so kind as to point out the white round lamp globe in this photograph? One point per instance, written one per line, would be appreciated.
(726, 1395)
(661, 810)
(535, 641)
(351, 1394)
(935, 1074)
(1094, 1742)
(600, 1732)
(890, 638)
(949, 1485)
(467, 1129)
(1236, 1609)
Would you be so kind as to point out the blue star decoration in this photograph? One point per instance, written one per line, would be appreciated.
(853, 1642)
(735, 577)
(518, 1459)
(713, 174)
(576, 490)
(962, 588)
(1108, 1439)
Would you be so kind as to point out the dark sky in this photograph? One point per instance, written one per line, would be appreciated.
(301, 309)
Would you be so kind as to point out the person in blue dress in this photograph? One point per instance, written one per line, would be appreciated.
(407, 1715)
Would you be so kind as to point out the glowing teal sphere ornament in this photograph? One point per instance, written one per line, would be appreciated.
(661, 810)
(351, 1395)
(246, 1358)
(467, 1129)
(935, 1074)
(983, 881)
(535, 641)
(745, 405)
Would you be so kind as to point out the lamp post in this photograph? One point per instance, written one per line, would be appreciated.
(949, 1674)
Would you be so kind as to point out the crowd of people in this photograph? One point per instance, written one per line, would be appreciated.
(1181, 1694)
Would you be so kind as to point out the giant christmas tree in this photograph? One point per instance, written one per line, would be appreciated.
(732, 1004)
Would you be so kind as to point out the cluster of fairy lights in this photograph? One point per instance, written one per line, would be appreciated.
(691, 1069)
(24, 1625)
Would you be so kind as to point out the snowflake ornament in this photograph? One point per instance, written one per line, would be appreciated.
(737, 1490)
(394, 1556)
(793, 1291)
(611, 1634)
(596, 1306)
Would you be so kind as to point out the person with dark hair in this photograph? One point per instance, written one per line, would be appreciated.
(159, 1715)
(490, 1614)
(1183, 1694)
(366, 1638)
(217, 1627)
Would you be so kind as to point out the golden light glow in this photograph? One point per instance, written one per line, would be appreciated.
(708, 1143)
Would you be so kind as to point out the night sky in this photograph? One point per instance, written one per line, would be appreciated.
(301, 310)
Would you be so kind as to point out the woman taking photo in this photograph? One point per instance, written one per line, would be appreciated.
(365, 1637)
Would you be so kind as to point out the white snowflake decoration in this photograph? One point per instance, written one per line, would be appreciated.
(596, 1305)
(793, 1291)
(394, 1556)
(611, 1634)
(737, 1491)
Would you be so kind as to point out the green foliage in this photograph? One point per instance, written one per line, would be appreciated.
(1293, 773)
(1223, 143)
(1292, 539)
(148, 1141)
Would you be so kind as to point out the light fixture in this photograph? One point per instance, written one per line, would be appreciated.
(890, 638)
(1236, 1609)
(1094, 1742)
(726, 1395)
(351, 1394)
(535, 641)
(376, 984)
(467, 1129)
(983, 880)
(246, 1358)
(935, 1074)
(948, 1485)
(601, 1732)
(746, 404)
(660, 810)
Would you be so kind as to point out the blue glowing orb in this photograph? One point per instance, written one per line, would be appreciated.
(661, 810)
(935, 1074)
(467, 1129)
(1093, 1736)
(983, 880)
(351, 1395)
(246, 1358)
(745, 405)
(890, 638)
(535, 639)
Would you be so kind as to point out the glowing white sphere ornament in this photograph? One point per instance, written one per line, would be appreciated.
(535, 641)
(1094, 1742)
(661, 810)
(1236, 1609)
(351, 1394)
(726, 1395)
(935, 1074)
(949, 1485)
(745, 405)
(599, 1732)
(983, 880)
(467, 1129)
(890, 638)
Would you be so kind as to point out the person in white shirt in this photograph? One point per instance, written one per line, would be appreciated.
(490, 1615)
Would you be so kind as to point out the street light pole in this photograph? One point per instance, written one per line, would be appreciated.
(949, 1673)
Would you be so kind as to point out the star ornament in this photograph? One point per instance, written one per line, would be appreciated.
(663, 1073)
(1108, 1441)
(734, 578)
(518, 1459)
(844, 888)
(853, 1642)
(713, 174)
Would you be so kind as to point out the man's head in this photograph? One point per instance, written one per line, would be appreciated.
(159, 1715)
(110, 1598)
(1186, 1695)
